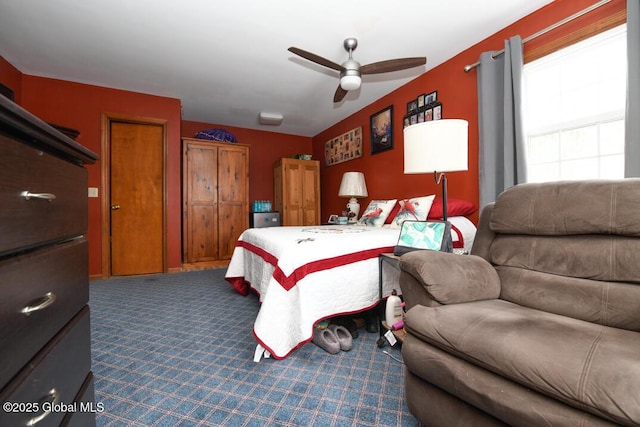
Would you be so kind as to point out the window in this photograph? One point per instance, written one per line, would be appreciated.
(574, 110)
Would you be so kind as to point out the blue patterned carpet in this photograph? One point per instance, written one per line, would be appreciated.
(177, 350)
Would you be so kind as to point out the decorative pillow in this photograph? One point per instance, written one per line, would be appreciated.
(415, 209)
(455, 207)
(376, 213)
(392, 215)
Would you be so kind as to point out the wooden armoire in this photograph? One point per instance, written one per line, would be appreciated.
(297, 191)
(215, 200)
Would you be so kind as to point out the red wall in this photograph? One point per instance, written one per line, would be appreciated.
(12, 78)
(457, 91)
(266, 148)
(80, 107)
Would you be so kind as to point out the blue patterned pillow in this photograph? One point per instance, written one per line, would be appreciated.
(216, 135)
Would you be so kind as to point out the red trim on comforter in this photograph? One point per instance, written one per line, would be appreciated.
(458, 244)
(288, 282)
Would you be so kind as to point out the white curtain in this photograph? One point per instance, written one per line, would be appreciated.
(632, 122)
(502, 161)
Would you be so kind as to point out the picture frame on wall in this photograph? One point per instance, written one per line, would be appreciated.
(420, 101)
(413, 119)
(431, 97)
(381, 126)
(345, 147)
(412, 106)
(428, 115)
(406, 121)
(437, 112)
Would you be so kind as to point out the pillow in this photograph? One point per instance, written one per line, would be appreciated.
(455, 207)
(394, 212)
(415, 209)
(376, 212)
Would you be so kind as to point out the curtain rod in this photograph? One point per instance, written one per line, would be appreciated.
(576, 15)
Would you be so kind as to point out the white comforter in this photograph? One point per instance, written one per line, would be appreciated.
(305, 274)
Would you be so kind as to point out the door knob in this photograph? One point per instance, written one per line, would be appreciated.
(115, 207)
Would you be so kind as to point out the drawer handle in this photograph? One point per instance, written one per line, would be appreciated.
(44, 196)
(52, 396)
(43, 303)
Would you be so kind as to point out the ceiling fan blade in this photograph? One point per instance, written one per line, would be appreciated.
(315, 58)
(340, 94)
(392, 65)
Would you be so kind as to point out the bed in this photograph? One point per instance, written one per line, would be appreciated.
(306, 274)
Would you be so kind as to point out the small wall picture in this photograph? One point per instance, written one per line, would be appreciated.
(430, 98)
(428, 115)
(412, 106)
(382, 130)
(437, 112)
(406, 121)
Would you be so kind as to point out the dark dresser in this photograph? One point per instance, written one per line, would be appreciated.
(45, 342)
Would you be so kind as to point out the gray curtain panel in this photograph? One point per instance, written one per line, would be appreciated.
(632, 122)
(502, 161)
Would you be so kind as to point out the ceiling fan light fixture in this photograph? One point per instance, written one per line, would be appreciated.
(350, 82)
(350, 77)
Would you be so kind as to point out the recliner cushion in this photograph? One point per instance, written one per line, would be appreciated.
(569, 207)
(588, 366)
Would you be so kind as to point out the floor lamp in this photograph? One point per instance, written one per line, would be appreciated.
(437, 146)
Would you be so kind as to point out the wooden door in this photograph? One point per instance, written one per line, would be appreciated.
(310, 177)
(137, 198)
(292, 195)
(201, 202)
(233, 197)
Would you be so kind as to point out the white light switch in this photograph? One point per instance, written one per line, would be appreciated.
(93, 191)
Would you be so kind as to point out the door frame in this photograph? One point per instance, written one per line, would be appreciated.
(105, 160)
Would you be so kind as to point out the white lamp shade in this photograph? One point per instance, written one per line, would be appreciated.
(437, 145)
(350, 82)
(353, 185)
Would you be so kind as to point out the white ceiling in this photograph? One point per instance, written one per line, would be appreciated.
(228, 60)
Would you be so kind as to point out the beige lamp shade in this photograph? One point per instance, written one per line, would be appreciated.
(353, 185)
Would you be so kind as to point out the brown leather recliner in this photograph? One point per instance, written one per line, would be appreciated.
(540, 325)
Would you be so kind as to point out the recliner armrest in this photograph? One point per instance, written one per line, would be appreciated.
(448, 278)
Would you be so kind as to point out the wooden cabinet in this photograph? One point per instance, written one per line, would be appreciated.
(297, 191)
(45, 341)
(216, 199)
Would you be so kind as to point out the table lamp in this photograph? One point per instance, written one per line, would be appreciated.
(353, 186)
(437, 146)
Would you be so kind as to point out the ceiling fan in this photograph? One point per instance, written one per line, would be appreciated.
(351, 71)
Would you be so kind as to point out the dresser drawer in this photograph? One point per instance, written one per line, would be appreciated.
(26, 221)
(54, 376)
(86, 407)
(25, 281)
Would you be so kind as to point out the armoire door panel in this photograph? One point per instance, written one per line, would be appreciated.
(202, 178)
(203, 225)
(234, 175)
(233, 216)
